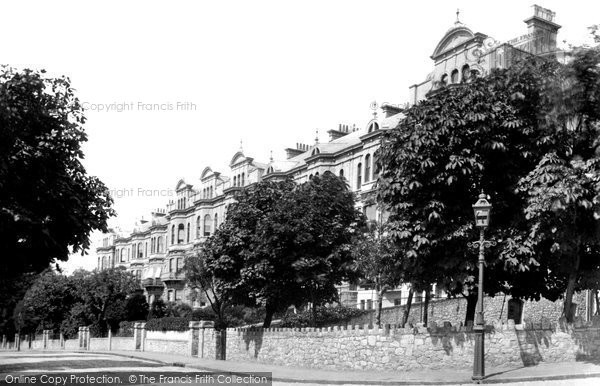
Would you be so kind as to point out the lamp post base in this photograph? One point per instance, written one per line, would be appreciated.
(478, 362)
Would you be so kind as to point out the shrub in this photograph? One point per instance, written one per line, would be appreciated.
(157, 309)
(326, 316)
(169, 323)
(125, 329)
(203, 314)
(137, 307)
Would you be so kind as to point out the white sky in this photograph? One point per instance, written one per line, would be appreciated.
(265, 72)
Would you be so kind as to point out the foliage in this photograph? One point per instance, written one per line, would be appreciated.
(281, 244)
(48, 204)
(178, 309)
(491, 134)
(46, 303)
(136, 307)
(325, 316)
(168, 323)
(378, 262)
(158, 309)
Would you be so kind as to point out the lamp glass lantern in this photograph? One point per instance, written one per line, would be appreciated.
(482, 210)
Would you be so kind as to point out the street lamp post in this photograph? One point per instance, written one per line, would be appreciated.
(482, 210)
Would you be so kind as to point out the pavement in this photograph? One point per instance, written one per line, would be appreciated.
(540, 373)
(105, 362)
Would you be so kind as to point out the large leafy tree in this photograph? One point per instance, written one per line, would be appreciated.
(46, 303)
(479, 135)
(280, 245)
(563, 190)
(48, 204)
(528, 137)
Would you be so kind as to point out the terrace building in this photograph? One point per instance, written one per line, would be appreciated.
(156, 249)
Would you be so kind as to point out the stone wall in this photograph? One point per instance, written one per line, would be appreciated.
(412, 348)
(454, 311)
(71, 344)
(98, 344)
(120, 343)
(179, 347)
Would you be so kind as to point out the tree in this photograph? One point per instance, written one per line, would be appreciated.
(48, 204)
(47, 302)
(378, 262)
(102, 293)
(479, 135)
(563, 190)
(301, 249)
(280, 245)
(136, 307)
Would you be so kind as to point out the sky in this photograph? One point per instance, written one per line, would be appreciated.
(171, 87)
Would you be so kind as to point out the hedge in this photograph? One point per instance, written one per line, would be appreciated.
(326, 316)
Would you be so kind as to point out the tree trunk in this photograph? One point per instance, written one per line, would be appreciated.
(269, 311)
(380, 294)
(407, 307)
(571, 290)
(471, 306)
(426, 306)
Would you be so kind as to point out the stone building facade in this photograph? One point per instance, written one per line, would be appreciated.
(156, 249)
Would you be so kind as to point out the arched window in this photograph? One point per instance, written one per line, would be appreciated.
(242, 184)
(159, 244)
(140, 250)
(367, 167)
(466, 73)
(234, 181)
(359, 176)
(180, 230)
(373, 127)
(211, 192)
(133, 255)
(444, 80)
(122, 256)
(375, 168)
(171, 265)
(172, 234)
(207, 224)
(310, 176)
(146, 249)
(198, 229)
(454, 76)
(188, 232)
(341, 173)
(315, 151)
(216, 221)
(316, 174)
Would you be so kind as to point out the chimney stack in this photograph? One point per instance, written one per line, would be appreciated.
(542, 29)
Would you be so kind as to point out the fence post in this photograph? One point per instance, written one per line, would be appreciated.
(45, 339)
(193, 335)
(80, 337)
(202, 339)
(3, 341)
(88, 338)
(62, 340)
(109, 339)
(18, 342)
(143, 335)
(221, 344)
(137, 343)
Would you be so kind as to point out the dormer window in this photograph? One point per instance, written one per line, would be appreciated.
(374, 126)
(270, 170)
(315, 151)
